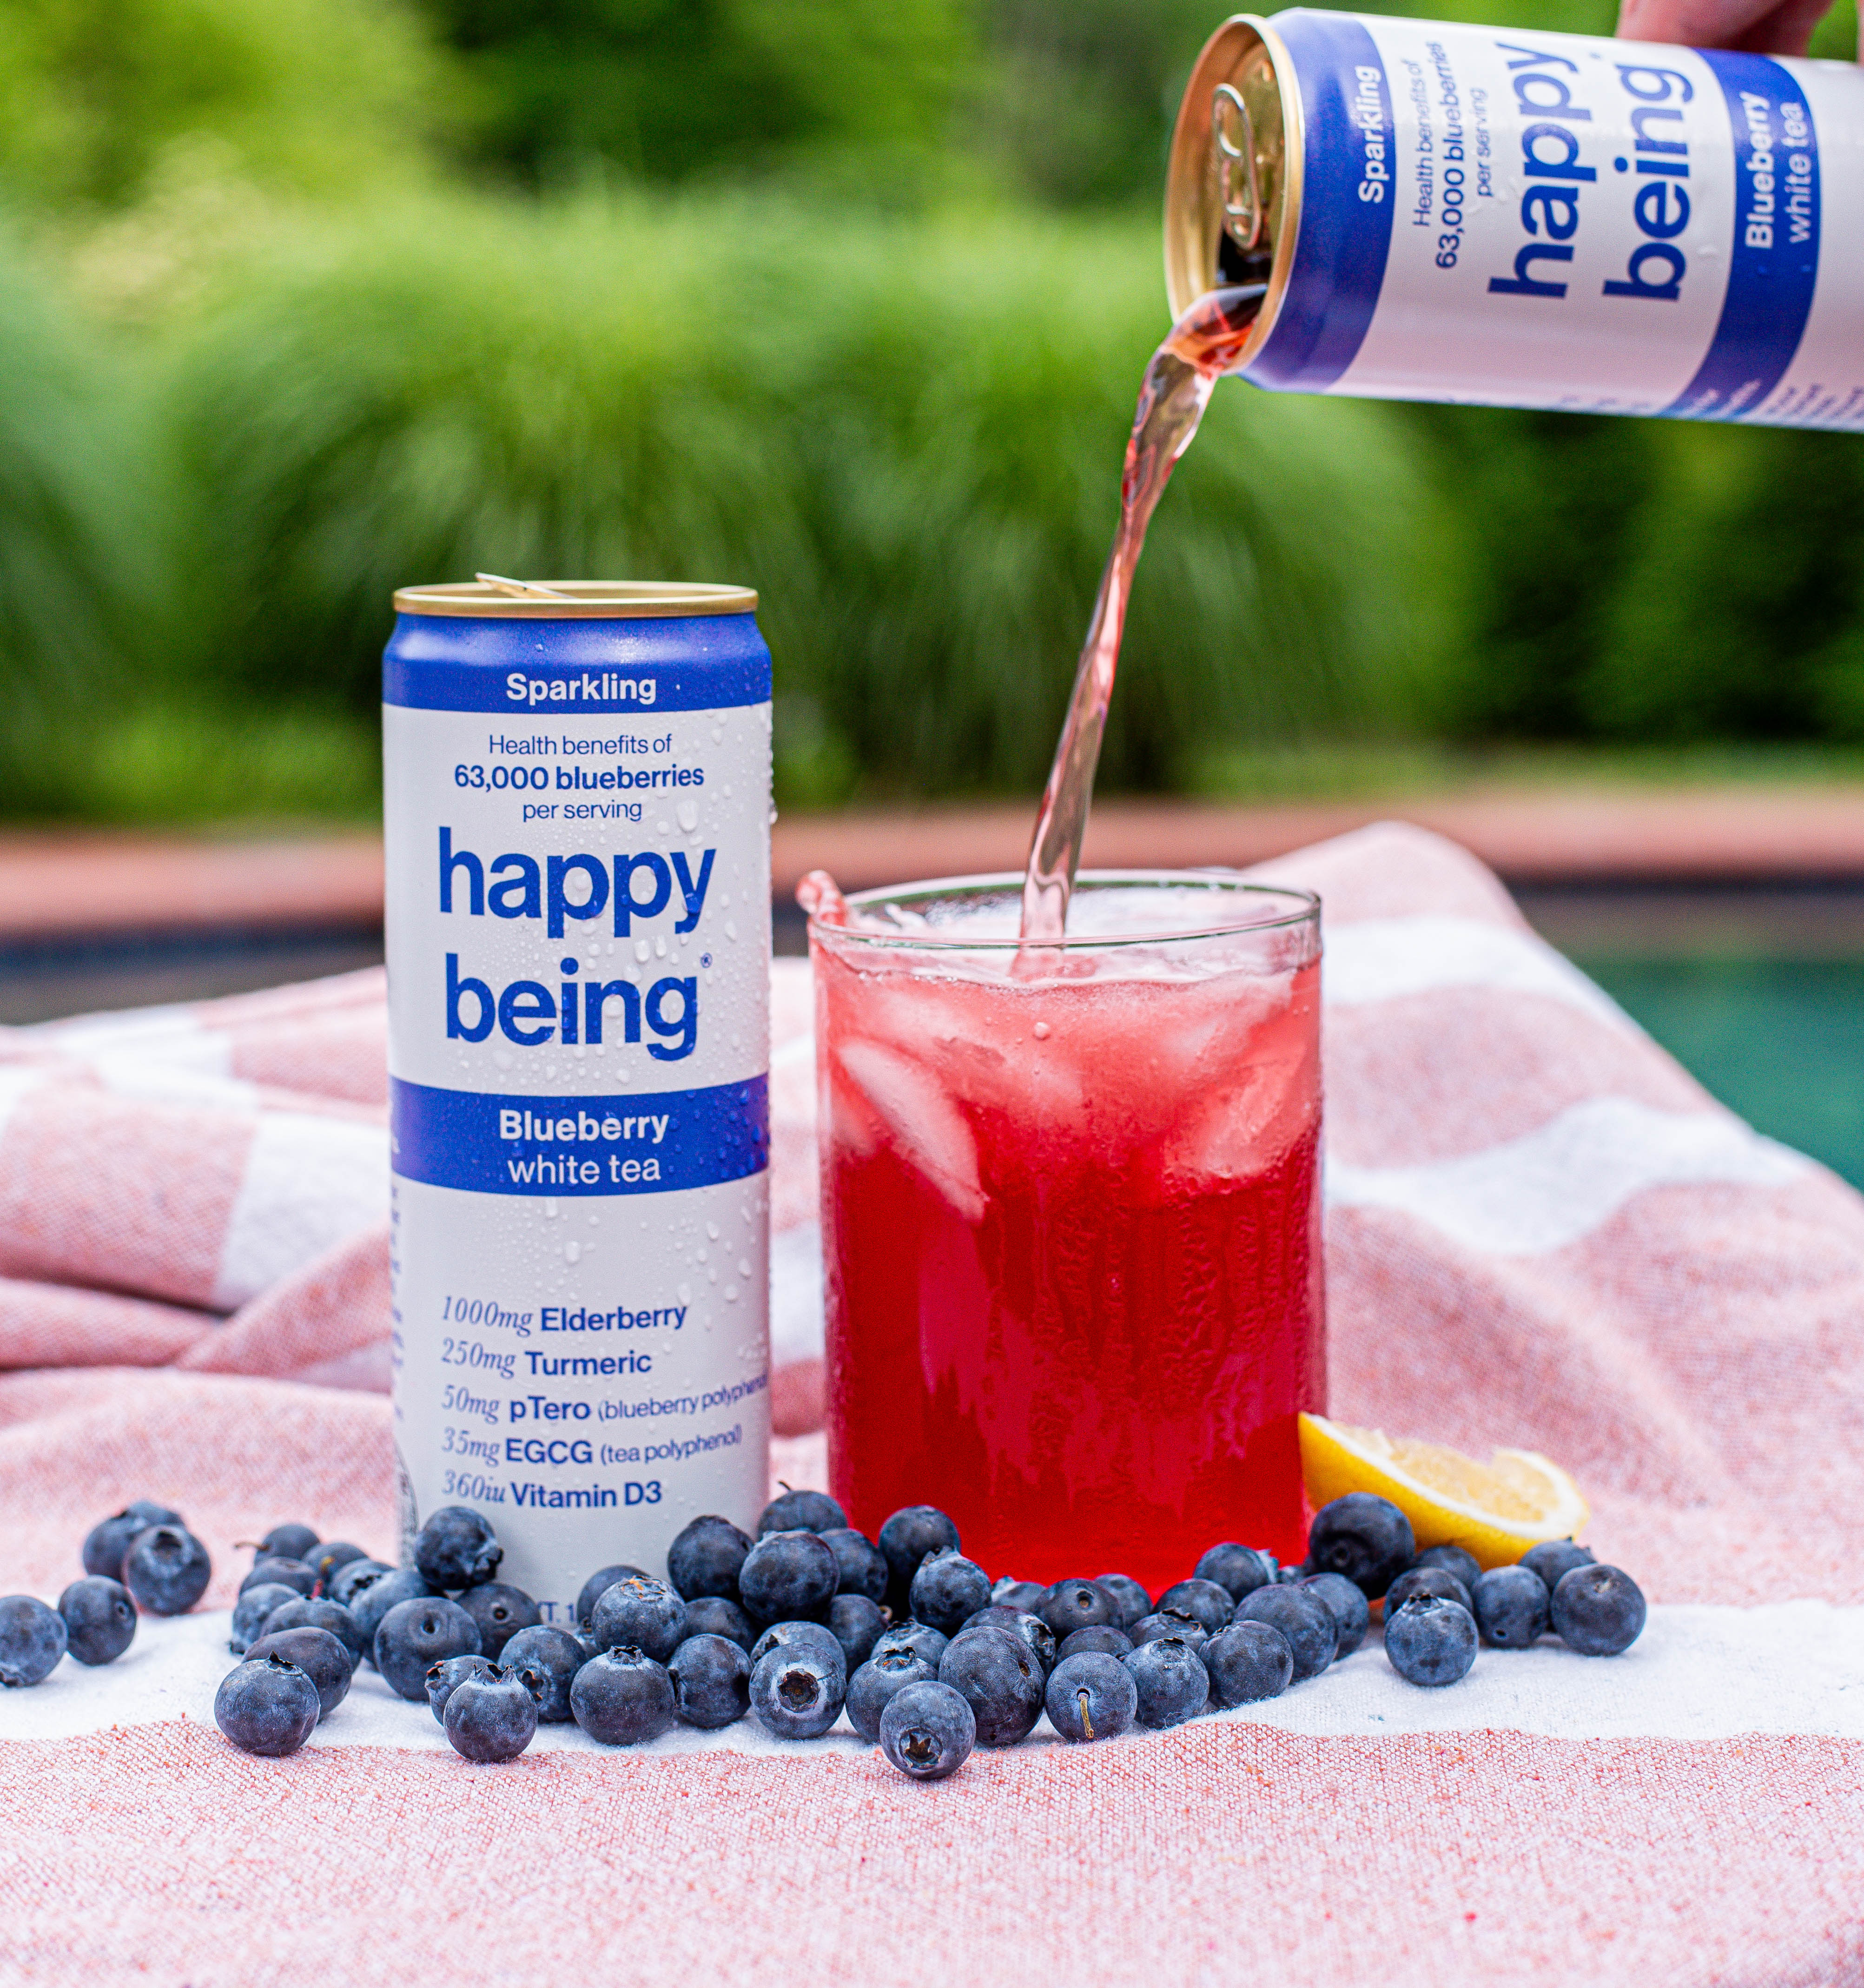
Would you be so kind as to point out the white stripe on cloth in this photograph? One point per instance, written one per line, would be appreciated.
(1696, 1673)
(1562, 1180)
(796, 1329)
(310, 1181)
(1382, 959)
(15, 1083)
(172, 1034)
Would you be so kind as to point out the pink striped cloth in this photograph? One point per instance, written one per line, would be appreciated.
(1542, 1233)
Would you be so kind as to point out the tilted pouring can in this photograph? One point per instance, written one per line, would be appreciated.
(1434, 211)
(577, 802)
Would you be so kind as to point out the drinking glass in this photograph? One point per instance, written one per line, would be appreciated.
(1071, 1216)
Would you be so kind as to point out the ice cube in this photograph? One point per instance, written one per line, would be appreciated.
(925, 1126)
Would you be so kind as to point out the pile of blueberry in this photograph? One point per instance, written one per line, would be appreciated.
(914, 1643)
(143, 1557)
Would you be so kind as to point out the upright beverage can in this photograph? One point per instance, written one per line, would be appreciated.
(1426, 210)
(577, 798)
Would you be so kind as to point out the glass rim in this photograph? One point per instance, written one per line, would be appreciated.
(1306, 903)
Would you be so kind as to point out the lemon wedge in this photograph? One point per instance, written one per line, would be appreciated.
(1495, 1510)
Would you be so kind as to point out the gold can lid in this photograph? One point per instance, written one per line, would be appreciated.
(1232, 196)
(577, 600)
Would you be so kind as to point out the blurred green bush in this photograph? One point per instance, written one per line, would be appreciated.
(307, 299)
(330, 97)
(907, 434)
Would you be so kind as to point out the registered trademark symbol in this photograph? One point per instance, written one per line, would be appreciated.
(705, 959)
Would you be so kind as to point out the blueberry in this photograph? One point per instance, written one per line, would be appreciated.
(946, 1588)
(491, 1719)
(250, 1612)
(1426, 1581)
(786, 1576)
(1598, 1611)
(329, 1559)
(1303, 1617)
(445, 1677)
(1130, 1602)
(292, 1573)
(712, 1681)
(928, 1731)
(796, 1690)
(1345, 1601)
(920, 1637)
(349, 1577)
(1012, 1594)
(1512, 1607)
(856, 1623)
(288, 1542)
(1291, 1577)
(1075, 1604)
(553, 1657)
(1019, 1621)
(713, 1615)
(319, 1654)
(705, 1558)
(1207, 1601)
(877, 1680)
(1431, 1639)
(1366, 1538)
(1091, 1696)
(415, 1635)
(1156, 1627)
(100, 1619)
(622, 1698)
(1247, 1661)
(861, 1565)
(267, 1706)
(33, 1639)
(457, 1548)
(1452, 1560)
(371, 1600)
(1238, 1569)
(299, 1614)
(1553, 1560)
(108, 1541)
(167, 1569)
(800, 1636)
(598, 1585)
(913, 1532)
(1098, 1636)
(997, 1672)
(642, 1612)
(1171, 1682)
(801, 1511)
(501, 1611)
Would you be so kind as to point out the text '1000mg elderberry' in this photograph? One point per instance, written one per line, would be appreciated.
(577, 801)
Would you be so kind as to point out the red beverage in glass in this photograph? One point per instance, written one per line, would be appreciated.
(1071, 1217)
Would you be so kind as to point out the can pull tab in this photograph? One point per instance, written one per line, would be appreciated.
(1232, 145)
(523, 589)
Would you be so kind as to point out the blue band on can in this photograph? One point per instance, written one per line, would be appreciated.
(1772, 267)
(649, 1142)
(626, 668)
(1345, 230)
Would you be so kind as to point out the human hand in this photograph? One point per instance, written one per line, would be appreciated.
(1761, 27)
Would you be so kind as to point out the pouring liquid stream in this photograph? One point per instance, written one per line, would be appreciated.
(1177, 387)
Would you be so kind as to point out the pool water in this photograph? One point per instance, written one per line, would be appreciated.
(1759, 995)
(1781, 1041)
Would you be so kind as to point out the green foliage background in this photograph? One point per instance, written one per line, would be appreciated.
(304, 298)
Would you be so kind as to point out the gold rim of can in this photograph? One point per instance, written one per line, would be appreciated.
(1246, 65)
(580, 600)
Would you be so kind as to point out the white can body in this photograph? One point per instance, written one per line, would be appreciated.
(577, 839)
(1532, 220)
